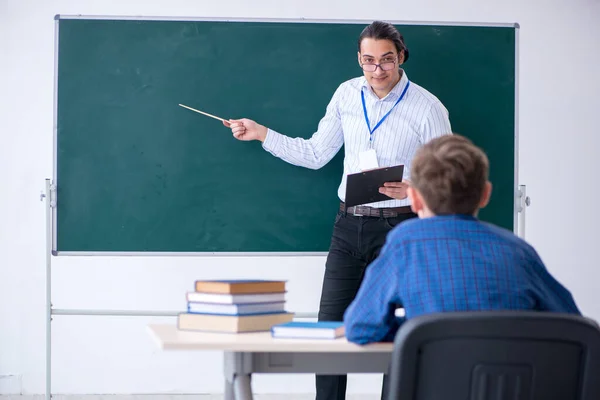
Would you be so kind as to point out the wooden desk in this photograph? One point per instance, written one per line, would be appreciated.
(247, 353)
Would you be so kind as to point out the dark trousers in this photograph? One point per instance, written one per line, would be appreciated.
(355, 243)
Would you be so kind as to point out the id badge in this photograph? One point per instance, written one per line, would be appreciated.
(367, 160)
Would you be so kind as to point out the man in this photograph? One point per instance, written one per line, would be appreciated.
(448, 260)
(379, 116)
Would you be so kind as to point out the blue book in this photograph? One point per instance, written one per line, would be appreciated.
(308, 330)
(236, 309)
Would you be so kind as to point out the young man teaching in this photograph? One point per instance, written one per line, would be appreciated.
(380, 118)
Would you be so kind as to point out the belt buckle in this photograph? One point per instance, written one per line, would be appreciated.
(355, 213)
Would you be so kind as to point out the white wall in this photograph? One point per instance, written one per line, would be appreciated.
(559, 104)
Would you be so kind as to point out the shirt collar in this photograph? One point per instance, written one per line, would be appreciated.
(464, 217)
(396, 91)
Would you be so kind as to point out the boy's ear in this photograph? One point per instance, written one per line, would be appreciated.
(416, 202)
(486, 195)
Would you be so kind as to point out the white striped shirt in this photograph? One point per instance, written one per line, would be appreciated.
(418, 118)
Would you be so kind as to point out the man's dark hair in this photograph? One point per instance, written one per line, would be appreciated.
(379, 30)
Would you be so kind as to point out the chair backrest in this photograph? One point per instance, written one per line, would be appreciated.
(496, 356)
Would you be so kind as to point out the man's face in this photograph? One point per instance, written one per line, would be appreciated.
(384, 53)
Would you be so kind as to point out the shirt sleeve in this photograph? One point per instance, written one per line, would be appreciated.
(549, 294)
(436, 123)
(371, 316)
(317, 151)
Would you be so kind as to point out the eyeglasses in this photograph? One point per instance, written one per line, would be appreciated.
(385, 66)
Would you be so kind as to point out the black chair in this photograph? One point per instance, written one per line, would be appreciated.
(508, 355)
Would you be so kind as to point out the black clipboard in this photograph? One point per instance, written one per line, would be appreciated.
(363, 187)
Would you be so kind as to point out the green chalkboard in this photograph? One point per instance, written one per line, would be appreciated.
(136, 173)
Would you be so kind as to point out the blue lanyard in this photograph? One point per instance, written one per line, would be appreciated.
(362, 95)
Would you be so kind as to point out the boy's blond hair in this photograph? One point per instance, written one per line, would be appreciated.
(450, 173)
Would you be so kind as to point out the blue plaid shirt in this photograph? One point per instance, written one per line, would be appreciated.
(450, 263)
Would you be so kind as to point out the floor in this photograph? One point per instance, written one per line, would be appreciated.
(179, 397)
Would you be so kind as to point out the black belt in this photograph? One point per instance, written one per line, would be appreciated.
(365, 211)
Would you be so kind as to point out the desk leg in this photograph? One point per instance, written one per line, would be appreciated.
(228, 390)
(242, 387)
(238, 370)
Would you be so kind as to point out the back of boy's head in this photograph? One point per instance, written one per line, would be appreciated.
(450, 173)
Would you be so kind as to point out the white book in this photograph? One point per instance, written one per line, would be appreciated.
(223, 298)
(236, 309)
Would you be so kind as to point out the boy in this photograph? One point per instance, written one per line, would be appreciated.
(448, 260)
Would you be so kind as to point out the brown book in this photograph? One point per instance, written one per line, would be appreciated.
(231, 323)
(240, 286)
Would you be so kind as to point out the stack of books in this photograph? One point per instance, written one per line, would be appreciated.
(235, 306)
